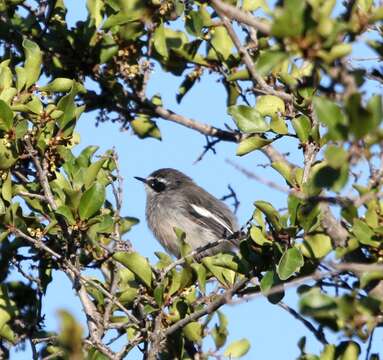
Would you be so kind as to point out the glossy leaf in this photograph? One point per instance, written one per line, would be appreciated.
(193, 331)
(248, 119)
(91, 201)
(137, 264)
(290, 263)
(33, 61)
(250, 144)
(237, 349)
(6, 116)
(316, 246)
(270, 105)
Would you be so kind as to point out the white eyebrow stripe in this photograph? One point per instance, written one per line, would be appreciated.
(206, 213)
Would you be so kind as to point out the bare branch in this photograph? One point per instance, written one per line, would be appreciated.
(332, 226)
(42, 174)
(232, 195)
(257, 79)
(193, 124)
(241, 16)
(251, 175)
(318, 333)
(209, 146)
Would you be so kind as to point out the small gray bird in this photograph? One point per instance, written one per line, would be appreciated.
(175, 201)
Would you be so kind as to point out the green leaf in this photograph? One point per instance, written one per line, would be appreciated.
(278, 125)
(258, 236)
(91, 201)
(186, 85)
(336, 156)
(220, 332)
(221, 42)
(144, 127)
(128, 296)
(302, 127)
(201, 276)
(325, 176)
(67, 213)
(362, 120)
(95, 8)
(33, 61)
(364, 233)
(250, 144)
(368, 276)
(6, 189)
(270, 280)
(336, 52)
(270, 105)
(109, 48)
(272, 215)
(284, 169)
(58, 85)
(237, 349)
(6, 116)
(68, 106)
(351, 351)
(6, 77)
(21, 78)
(126, 223)
(268, 60)
(252, 5)
(194, 23)
(331, 115)
(291, 261)
(289, 20)
(136, 264)
(193, 331)
(159, 41)
(7, 157)
(92, 172)
(314, 303)
(316, 246)
(248, 119)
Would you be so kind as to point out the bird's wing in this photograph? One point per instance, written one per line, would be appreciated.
(212, 214)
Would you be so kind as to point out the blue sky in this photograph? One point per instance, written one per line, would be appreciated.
(273, 333)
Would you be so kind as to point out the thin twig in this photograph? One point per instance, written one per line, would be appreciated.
(223, 299)
(42, 174)
(262, 180)
(208, 147)
(232, 195)
(257, 79)
(318, 333)
(239, 15)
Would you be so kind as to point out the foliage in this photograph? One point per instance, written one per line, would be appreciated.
(287, 76)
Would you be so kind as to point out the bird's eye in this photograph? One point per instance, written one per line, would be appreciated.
(157, 185)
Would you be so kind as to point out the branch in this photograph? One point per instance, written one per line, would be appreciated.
(241, 16)
(223, 299)
(318, 333)
(251, 175)
(197, 251)
(333, 227)
(257, 79)
(40, 245)
(202, 128)
(42, 174)
(209, 146)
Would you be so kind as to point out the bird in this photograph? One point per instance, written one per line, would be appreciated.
(174, 200)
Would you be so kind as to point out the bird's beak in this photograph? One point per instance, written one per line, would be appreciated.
(140, 179)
